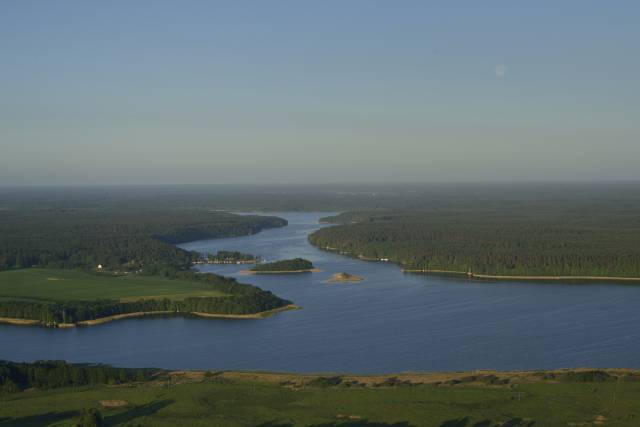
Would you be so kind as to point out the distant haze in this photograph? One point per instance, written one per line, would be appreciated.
(177, 92)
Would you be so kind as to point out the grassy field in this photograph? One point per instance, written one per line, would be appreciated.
(57, 285)
(281, 400)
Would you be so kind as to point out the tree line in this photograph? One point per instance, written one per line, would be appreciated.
(56, 373)
(119, 240)
(140, 242)
(53, 313)
(601, 240)
(240, 299)
(295, 264)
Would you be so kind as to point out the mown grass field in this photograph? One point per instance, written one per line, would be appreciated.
(59, 285)
(249, 400)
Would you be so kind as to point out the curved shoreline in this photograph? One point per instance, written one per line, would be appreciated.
(260, 315)
(101, 320)
(541, 278)
(472, 275)
(19, 322)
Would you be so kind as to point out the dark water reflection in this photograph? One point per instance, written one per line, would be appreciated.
(391, 322)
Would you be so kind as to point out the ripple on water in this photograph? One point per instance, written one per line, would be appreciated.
(390, 322)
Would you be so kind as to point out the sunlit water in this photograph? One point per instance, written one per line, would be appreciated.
(390, 322)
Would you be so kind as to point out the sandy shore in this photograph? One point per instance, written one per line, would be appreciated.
(260, 315)
(121, 316)
(503, 277)
(295, 379)
(22, 322)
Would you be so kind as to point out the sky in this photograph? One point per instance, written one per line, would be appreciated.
(332, 91)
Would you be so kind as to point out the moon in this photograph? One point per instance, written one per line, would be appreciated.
(500, 70)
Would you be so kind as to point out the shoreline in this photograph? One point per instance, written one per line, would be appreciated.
(425, 377)
(504, 277)
(101, 320)
(471, 275)
(252, 272)
(19, 322)
(260, 315)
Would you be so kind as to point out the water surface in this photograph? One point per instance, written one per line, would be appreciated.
(390, 322)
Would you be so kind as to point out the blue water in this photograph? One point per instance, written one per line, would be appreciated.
(390, 322)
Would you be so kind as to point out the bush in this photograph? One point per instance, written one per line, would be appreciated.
(90, 417)
(325, 382)
(586, 376)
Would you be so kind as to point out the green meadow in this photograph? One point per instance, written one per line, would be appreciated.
(248, 400)
(68, 285)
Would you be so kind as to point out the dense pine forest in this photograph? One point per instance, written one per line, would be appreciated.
(53, 374)
(118, 240)
(124, 241)
(554, 238)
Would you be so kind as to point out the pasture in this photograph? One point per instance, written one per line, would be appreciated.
(273, 400)
(68, 285)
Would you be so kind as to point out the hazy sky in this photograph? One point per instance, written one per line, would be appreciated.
(154, 92)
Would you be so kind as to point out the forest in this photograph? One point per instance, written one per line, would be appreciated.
(554, 239)
(117, 239)
(306, 197)
(295, 264)
(48, 374)
(122, 241)
(53, 313)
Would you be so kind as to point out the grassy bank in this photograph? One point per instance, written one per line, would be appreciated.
(470, 399)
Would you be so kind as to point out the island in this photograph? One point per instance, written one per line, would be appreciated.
(295, 265)
(345, 278)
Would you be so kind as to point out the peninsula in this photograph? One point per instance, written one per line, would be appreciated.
(67, 298)
(62, 268)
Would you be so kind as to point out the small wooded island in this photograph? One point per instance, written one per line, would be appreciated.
(345, 278)
(295, 265)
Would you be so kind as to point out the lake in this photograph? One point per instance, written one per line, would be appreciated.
(390, 322)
